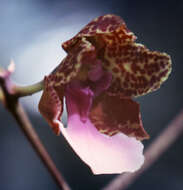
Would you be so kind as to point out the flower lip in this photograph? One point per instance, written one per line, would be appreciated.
(104, 154)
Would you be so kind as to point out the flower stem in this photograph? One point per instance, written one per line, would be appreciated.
(21, 91)
(1, 95)
(154, 151)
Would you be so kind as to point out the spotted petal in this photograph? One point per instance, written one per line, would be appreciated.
(113, 114)
(75, 64)
(103, 25)
(136, 70)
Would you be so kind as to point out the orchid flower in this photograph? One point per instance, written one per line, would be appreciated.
(104, 70)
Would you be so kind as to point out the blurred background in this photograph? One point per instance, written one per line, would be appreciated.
(31, 33)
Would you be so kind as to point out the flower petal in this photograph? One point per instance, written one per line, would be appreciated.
(51, 104)
(104, 154)
(136, 70)
(79, 57)
(103, 25)
(112, 114)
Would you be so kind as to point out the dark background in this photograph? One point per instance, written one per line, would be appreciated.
(31, 33)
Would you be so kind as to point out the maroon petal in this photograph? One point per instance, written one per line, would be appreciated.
(51, 104)
(112, 114)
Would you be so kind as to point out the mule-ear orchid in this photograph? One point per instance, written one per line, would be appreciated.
(103, 71)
